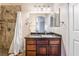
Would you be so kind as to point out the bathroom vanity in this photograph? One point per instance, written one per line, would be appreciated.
(41, 44)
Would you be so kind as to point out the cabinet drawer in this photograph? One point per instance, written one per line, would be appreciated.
(31, 47)
(42, 42)
(31, 41)
(31, 53)
(55, 41)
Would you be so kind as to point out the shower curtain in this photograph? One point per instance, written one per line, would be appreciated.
(17, 43)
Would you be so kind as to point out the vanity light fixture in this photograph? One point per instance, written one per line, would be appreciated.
(41, 7)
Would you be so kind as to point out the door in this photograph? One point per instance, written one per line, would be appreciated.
(74, 29)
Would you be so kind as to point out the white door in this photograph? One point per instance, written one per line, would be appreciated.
(74, 29)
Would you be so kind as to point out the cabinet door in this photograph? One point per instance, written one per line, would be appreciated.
(42, 50)
(54, 50)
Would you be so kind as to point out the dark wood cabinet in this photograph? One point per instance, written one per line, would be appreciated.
(43, 46)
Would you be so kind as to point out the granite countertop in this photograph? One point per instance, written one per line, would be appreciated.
(44, 35)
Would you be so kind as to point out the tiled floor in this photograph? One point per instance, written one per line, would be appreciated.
(3, 52)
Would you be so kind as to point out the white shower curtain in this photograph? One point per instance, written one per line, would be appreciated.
(18, 42)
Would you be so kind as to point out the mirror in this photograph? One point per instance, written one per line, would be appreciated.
(55, 20)
(40, 24)
(44, 22)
